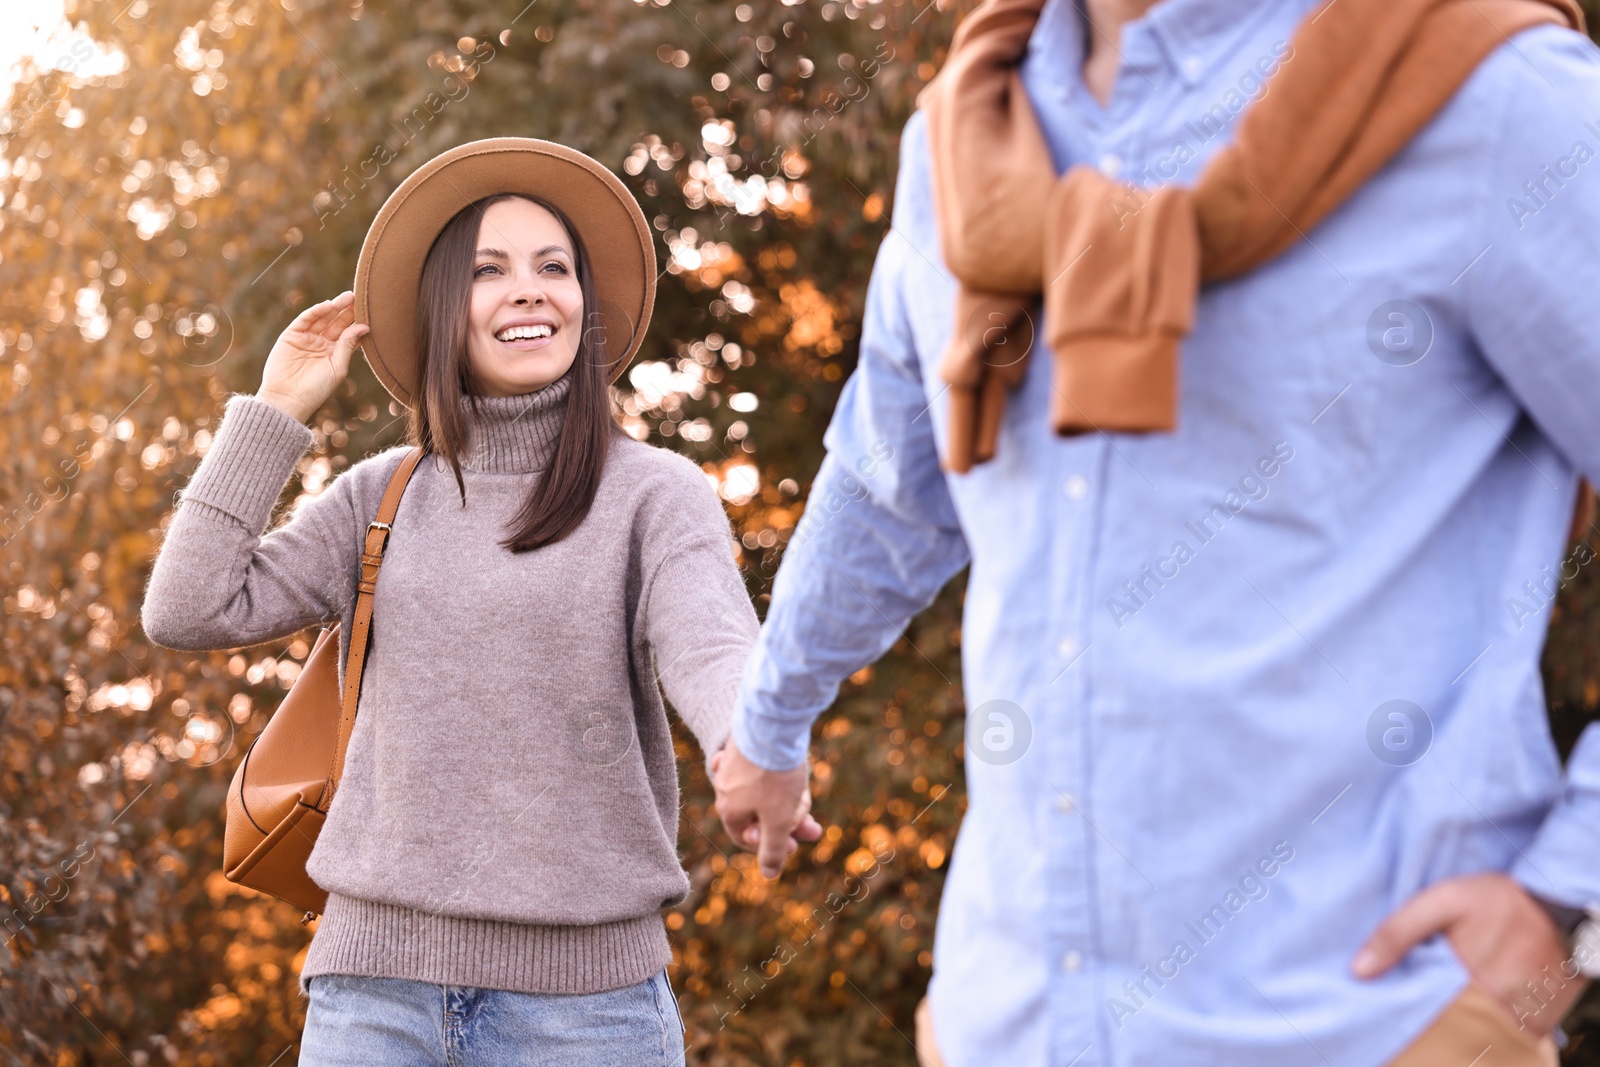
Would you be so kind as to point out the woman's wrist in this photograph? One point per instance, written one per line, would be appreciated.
(288, 405)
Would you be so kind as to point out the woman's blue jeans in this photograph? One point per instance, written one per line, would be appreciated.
(393, 1021)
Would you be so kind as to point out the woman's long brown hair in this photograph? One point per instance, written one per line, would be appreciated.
(563, 494)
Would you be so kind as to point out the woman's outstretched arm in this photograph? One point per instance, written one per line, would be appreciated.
(697, 617)
(696, 612)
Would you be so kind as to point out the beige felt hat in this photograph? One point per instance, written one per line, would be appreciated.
(609, 220)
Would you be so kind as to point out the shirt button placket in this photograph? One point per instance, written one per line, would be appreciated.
(1069, 892)
(1069, 831)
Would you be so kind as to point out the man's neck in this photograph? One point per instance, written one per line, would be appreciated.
(1105, 37)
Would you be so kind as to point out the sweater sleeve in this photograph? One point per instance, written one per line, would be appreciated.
(218, 582)
(698, 617)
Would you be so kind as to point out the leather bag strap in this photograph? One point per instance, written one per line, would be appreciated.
(377, 538)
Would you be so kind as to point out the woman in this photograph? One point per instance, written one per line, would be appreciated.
(505, 833)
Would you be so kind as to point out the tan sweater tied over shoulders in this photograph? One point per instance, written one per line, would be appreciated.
(1117, 267)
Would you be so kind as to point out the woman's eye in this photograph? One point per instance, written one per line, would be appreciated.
(560, 268)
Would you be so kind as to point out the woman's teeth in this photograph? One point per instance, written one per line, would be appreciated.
(524, 333)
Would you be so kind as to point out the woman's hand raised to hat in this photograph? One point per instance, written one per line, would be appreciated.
(311, 357)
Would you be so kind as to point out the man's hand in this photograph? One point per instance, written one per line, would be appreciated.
(765, 811)
(1501, 935)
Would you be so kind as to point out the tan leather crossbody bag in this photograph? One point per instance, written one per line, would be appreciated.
(283, 787)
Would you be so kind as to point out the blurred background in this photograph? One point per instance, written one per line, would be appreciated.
(178, 178)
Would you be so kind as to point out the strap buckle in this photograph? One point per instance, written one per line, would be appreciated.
(385, 527)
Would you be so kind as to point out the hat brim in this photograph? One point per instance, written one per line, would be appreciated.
(608, 219)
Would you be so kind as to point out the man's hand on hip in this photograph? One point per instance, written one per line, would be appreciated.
(768, 812)
(1500, 934)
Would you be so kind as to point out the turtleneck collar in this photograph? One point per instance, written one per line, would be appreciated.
(514, 434)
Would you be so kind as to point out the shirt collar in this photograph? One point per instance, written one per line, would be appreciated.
(1196, 33)
(1192, 34)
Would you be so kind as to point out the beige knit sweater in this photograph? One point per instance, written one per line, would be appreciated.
(509, 810)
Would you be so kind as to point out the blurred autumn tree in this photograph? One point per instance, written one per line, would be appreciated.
(159, 226)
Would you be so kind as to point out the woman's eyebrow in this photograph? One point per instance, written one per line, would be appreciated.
(495, 253)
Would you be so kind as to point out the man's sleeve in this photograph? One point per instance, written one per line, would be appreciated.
(879, 537)
(1534, 311)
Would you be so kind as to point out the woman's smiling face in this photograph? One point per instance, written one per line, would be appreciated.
(527, 305)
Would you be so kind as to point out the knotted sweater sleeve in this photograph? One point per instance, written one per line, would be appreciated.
(220, 580)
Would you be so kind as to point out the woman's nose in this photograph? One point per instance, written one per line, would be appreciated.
(527, 289)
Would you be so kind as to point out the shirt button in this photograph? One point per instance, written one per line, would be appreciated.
(1076, 487)
(1072, 962)
(1193, 65)
(1065, 802)
(1067, 646)
(1110, 164)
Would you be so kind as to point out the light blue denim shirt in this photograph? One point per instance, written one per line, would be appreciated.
(1237, 691)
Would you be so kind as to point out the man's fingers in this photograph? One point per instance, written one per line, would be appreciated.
(741, 825)
(809, 830)
(774, 849)
(763, 810)
(1427, 913)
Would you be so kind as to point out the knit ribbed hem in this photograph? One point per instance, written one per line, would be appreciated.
(251, 458)
(713, 745)
(363, 937)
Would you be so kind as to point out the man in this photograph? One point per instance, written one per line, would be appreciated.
(1254, 705)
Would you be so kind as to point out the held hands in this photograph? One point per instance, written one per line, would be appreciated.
(311, 357)
(767, 812)
(1500, 934)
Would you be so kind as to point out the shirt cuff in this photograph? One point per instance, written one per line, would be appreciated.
(251, 458)
(1563, 862)
(765, 745)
